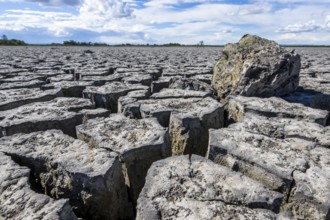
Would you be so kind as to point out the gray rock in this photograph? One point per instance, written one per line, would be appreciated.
(20, 85)
(23, 78)
(189, 131)
(97, 72)
(292, 157)
(60, 77)
(179, 93)
(19, 201)
(138, 78)
(207, 78)
(273, 107)
(14, 98)
(138, 142)
(127, 70)
(60, 113)
(107, 96)
(101, 80)
(179, 188)
(188, 120)
(310, 99)
(191, 84)
(188, 134)
(70, 88)
(256, 67)
(161, 83)
(46, 72)
(309, 198)
(259, 157)
(154, 71)
(130, 99)
(63, 167)
(284, 128)
(138, 94)
(286, 155)
(315, 69)
(319, 85)
(162, 108)
(178, 82)
(94, 113)
(70, 104)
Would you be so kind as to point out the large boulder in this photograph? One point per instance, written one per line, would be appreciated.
(256, 67)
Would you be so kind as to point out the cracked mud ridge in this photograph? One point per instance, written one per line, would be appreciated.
(240, 132)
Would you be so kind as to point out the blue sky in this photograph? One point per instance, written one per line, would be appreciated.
(163, 21)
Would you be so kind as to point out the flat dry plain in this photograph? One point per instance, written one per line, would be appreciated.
(81, 126)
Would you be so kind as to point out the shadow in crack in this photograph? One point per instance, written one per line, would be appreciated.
(310, 98)
(33, 179)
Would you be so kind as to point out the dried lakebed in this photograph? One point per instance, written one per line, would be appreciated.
(138, 132)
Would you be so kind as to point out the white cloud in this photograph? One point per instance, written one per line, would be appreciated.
(296, 1)
(94, 15)
(136, 38)
(303, 38)
(49, 2)
(11, 0)
(56, 2)
(203, 12)
(105, 8)
(309, 26)
(254, 9)
(19, 20)
(169, 3)
(227, 31)
(327, 22)
(163, 21)
(58, 31)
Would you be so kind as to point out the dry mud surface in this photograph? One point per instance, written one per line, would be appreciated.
(138, 132)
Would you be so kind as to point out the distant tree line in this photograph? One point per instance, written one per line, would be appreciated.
(10, 42)
(151, 45)
(5, 41)
(76, 43)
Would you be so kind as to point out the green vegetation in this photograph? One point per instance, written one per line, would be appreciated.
(10, 42)
(248, 40)
(13, 42)
(200, 44)
(75, 43)
(151, 45)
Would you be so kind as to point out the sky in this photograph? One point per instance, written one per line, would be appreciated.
(215, 22)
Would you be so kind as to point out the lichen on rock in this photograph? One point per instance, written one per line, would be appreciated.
(256, 67)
